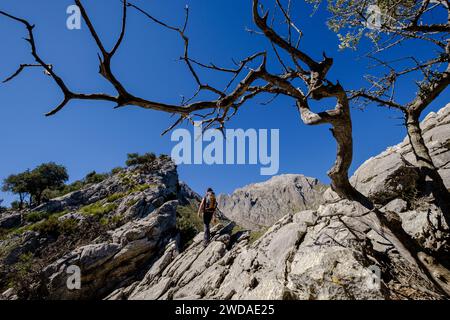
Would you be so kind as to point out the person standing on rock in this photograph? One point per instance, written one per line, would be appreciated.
(208, 207)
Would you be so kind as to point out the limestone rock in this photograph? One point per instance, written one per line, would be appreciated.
(10, 220)
(372, 176)
(289, 261)
(105, 265)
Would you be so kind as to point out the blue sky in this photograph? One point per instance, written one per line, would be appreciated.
(88, 136)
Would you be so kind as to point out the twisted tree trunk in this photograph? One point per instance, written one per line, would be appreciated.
(426, 165)
(340, 120)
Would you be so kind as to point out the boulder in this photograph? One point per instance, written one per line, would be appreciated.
(372, 177)
(10, 220)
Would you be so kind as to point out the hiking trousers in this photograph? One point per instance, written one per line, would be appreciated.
(207, 217)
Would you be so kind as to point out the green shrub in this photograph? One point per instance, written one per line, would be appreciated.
(36, 216)
(254, 234)
(115, 196)
(75, 186)
(117, 170)
(48, 226)
(16, 205)
(105, 221)
(127, 181)
(22, 269)
(189, 223)
(51, 225)
(94, 177)
(140, 188)
(68, 226)
(164, 156)
(21, 230)
(98, 209)
(137, 159)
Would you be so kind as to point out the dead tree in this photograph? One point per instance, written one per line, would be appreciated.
(391, 24)
(257, 80)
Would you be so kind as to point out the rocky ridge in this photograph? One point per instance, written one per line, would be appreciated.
(262, 204)
(123, 234)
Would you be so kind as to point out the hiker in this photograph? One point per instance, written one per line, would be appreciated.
(208, 208)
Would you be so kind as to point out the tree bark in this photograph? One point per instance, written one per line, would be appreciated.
(21, 197)
(426, 165)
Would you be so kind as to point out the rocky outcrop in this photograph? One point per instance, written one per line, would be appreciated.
(313, 254)
(374, 177)
(112, 231)
(147, 189)
(262, 204)
(107, 264)
(124, 237)
(326, 252)
(10, 220)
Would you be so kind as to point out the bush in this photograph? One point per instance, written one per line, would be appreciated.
(188, 224)
(97, 209)
(53, 226)
(116, 196)
(16, 205)
(116, 170)
(49, 226)
(134, 159)
(254, 234)
(140, 188)
(164, 156)
(66, 189)
(23, 273)
(36, 216)
(94, 177)
(113, 221)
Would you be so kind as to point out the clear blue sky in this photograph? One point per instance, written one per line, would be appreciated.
(90, 136)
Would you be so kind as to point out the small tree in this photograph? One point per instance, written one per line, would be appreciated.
(46, 176)
(94, 177)
(17, 184)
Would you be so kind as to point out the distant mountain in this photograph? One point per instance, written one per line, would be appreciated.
(262, 204)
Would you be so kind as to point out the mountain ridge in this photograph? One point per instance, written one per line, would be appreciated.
(136, 235)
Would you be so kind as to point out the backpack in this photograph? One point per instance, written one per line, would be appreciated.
(210, 202)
